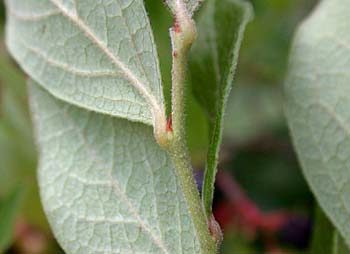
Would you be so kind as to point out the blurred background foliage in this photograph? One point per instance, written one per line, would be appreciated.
(262, 201)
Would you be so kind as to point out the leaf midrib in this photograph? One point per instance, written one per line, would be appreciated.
(136, 83)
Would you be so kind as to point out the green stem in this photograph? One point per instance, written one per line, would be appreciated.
(183, 35)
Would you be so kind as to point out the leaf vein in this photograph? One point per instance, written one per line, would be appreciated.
(132, 208)
(141, 88)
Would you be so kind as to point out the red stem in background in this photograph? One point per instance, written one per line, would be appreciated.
(246, 215)
(29, 239)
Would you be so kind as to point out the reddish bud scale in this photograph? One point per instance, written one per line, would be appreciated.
(177, 28)
(169, 125)
(215, 230)
(175, 54)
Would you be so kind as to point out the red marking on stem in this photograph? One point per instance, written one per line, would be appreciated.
(243, 214)
(215, 230)
(177, 28)
(174, 53)
(169, 125)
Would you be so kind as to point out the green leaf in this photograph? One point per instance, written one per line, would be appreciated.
(95, 54)
(253, 110)
(191, 5)
(317, 107)
(339, 245)
(106, 185)
(17, 155)
(9, 208)
(213, 61)
(326, 239)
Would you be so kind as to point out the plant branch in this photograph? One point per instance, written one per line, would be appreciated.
(183, 35)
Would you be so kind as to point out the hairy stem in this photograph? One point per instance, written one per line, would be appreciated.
(183, 35)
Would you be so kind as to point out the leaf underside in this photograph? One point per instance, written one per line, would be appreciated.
(317, 107)
(105, 184)
(99, 55)
(213, 61)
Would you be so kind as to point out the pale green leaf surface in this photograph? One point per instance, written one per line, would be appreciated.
(95, 54)
(213, 61)
(106, 186)
(317, 107)
(191, 5)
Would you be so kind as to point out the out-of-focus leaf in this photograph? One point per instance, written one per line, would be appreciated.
(17, 150)
(234, 242)
(252, 111)
(267, 40)
(213, 62)
(9, 208)
(277, 180)
(326, 239)
(317, 107)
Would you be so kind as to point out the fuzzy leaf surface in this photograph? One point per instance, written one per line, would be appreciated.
(106, 185)
(317, 106)
(99, 55)
(213, 61)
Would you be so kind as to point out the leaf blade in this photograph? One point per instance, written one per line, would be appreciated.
(316, 88)
(213, 63)
(94, 55)
(111, 180)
